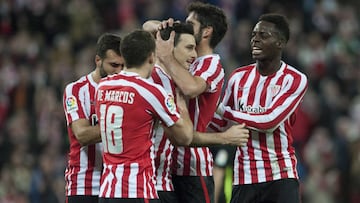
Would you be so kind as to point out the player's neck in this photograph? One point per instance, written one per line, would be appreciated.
(96, 76)
(162, 66)
(142, 71)
(266, 68)
(203, 50)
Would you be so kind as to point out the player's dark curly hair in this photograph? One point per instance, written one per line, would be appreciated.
(281, 23)
(210, 15)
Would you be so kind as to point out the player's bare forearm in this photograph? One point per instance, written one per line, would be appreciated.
(236, 135)
(85, 133)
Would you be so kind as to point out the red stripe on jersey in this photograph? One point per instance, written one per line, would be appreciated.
(187, 158)
(125, 181)
(241, 164)
(197, 158)
(251, 153)
(253, 89)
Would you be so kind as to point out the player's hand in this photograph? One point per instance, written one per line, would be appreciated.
(236, 135)
(167, 23)
(164, 48)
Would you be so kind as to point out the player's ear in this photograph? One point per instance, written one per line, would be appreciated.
(152, 58)
(97, 61)
(207, 31)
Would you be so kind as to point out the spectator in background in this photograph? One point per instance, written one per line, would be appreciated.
(84, 168)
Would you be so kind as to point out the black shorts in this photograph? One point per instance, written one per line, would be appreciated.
(128, 200)
(167, 197)
(223, 155)
(82, 199)
(194, 189)
(279, 191)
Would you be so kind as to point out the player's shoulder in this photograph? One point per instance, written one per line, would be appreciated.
(295, 72)
(77, 84)
(243, 69)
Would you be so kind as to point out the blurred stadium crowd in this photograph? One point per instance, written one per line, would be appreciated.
(45, 44)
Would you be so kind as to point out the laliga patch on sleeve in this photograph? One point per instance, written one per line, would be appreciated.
(71, 104)
(170, 104)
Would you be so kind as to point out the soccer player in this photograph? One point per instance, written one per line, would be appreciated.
(265, 96)
(83, 172)
(128, 105)
(184, 52)
(202, 84)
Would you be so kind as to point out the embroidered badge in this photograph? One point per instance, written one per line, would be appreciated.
(274, 90)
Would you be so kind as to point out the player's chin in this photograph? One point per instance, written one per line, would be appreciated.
(257, 57)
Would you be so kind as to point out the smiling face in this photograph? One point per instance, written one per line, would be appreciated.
(184, 51)
(265, 41)
(111, 64)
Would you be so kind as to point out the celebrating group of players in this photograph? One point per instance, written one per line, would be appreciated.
(139, 124)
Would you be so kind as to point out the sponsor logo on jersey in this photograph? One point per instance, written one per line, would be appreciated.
(251, 109)
(170, 104)
(71, 104)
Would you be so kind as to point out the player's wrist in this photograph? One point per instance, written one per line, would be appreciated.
(220, 109)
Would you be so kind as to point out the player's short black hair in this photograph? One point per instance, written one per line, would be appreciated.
(280, 22)
(136, 47)
(108, 41)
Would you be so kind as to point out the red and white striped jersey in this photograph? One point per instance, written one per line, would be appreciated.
(82, 175)
(198, 161)
(163, 147)
(127, 107)
(268, 106)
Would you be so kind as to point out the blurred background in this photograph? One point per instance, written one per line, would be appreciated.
(45, 44)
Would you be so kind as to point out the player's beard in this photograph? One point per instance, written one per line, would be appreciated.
(198, 36)
(102, 70)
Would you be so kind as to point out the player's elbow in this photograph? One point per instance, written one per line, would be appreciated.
(82, 142)
(183, 138)
(186, 138)
(191, 92)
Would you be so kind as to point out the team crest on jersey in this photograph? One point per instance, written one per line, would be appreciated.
(71, 104)
(274, 90)
(170, 104)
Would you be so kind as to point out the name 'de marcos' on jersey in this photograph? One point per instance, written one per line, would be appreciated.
(116, 96)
